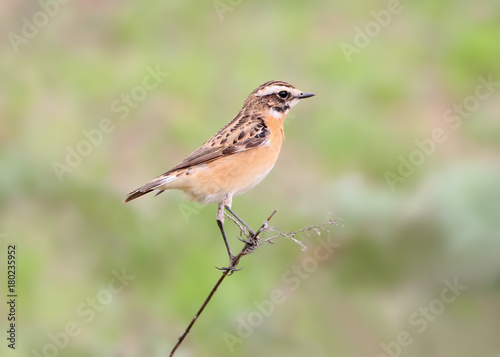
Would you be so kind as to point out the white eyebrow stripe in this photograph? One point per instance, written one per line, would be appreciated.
(271, 90)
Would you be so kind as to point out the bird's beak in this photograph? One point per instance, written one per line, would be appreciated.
(305, 95)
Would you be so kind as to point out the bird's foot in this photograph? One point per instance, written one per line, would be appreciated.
(232, 265)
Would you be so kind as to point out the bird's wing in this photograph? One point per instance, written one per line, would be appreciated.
(243, 133)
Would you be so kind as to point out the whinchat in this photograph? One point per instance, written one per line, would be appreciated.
(237, 157)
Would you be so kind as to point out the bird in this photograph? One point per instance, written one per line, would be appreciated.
(237, 158)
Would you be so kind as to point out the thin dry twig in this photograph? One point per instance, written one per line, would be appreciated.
(253, 242)
(318, 229)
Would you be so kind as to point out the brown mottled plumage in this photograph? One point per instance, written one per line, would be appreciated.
(238, 156)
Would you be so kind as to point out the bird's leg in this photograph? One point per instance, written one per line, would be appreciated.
(220, 222)
(250, 231)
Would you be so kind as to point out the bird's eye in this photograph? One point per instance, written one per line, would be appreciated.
(283, 94)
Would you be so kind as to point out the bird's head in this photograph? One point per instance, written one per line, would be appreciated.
(276, 96)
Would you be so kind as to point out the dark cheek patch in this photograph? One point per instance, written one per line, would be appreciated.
(281, 109)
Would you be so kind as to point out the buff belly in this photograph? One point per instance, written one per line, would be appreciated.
(232, 175)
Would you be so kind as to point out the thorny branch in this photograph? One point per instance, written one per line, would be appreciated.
(252, 242)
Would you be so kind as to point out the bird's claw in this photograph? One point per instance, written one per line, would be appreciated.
(232, 265)
(229, 268)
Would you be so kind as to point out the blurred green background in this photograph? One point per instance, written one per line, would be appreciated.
(386, 74)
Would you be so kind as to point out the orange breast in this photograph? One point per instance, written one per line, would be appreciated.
(234, 174)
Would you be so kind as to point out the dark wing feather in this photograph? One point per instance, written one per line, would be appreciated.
(198, 157)
(243, 133)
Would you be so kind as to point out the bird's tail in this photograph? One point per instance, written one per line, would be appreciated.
(150, 186)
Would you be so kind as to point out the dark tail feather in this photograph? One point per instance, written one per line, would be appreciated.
(135, 194)
(160, 191)
(150, 186)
